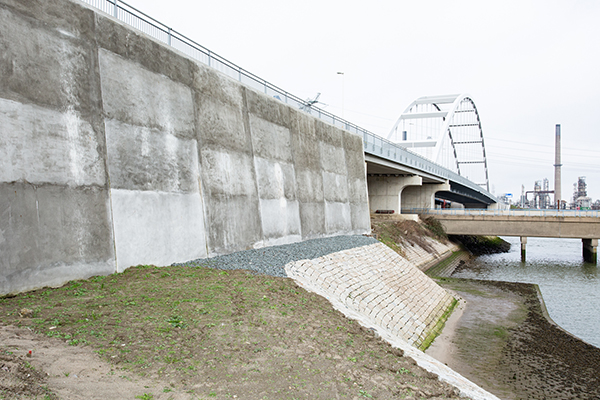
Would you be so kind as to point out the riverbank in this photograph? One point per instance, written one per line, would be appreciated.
(501, 339)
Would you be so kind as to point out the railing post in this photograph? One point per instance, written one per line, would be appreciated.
(116, 14)
(169, 37)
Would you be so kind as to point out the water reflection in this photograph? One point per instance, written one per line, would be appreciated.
(570, 287)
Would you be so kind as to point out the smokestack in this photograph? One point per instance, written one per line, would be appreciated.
(557, 165)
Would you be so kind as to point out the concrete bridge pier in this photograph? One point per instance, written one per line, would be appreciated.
(590, 250)
(422, 196)
(523, 248)
(385, 192)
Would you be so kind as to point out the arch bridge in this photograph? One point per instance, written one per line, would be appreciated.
(434, 151)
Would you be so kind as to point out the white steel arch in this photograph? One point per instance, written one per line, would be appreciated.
(447, 130)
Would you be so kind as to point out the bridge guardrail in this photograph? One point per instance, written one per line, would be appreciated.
(372, 142)
(512, 212)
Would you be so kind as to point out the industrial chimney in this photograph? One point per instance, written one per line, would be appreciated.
(557, 165)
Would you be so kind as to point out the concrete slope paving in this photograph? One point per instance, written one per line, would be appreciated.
(384, 292)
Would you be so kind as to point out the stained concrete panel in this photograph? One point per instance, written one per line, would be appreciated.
(333, 158)
(310, 186)
(355, 157)
(361, 218)
(52, 234)
(335, 187)
(48, 63)
(221, 126)
(275, 179)
(141, 158)
(233, 223)
(212, 86)
(338, 218)
(227, 174)
(134, 95)
(329, 134)
(157, 228)
(280, 221)
(267, 108)
(270, 140)
(305, 146)
(357, 191)
(40, 145)
(153, 55)
(312, 219)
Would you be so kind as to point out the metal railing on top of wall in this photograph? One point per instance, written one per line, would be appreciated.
(373, 144)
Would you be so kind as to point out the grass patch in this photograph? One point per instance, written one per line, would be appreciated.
(229, 332)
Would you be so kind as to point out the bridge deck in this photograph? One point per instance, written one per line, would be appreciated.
(528, 223)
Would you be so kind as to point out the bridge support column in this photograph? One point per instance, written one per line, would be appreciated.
(417, 197)
(523, 248)
(590, 250)
(385, 191)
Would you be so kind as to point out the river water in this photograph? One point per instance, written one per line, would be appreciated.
(570, 287)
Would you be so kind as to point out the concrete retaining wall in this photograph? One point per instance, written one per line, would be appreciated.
(116, 150)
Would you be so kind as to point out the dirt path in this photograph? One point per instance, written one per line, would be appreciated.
(56, 370)
(502, 342)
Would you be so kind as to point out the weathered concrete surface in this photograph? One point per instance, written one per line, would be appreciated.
(116, 150)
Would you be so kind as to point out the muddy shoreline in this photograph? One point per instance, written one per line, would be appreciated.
(502, 339)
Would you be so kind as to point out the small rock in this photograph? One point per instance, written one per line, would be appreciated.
(26, 313)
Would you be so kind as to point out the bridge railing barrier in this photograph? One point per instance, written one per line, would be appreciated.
(372, 143)
(512, 212)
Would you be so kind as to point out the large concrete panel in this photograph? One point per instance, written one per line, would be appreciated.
(231, 201)
(312, 219)
(221, 126)
(335, 187)
(338, 218)
(310, 186)
(141, 158)
(227, 174)
(41, 145)
(268, 108)
(233, 223)
(276, 180)
(157, 228)
(280, 220)
(333, 158)
(305, 146)
(46, 58)
(329, 134)
(153, 55)
(134, 95)
(52, 234)
(355, 157)
(269, 140)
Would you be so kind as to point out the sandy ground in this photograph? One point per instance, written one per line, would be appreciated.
(500, 339)
(72, 372)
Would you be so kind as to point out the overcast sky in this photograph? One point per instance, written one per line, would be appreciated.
(528, 65)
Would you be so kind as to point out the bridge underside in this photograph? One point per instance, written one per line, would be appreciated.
(402, 188)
